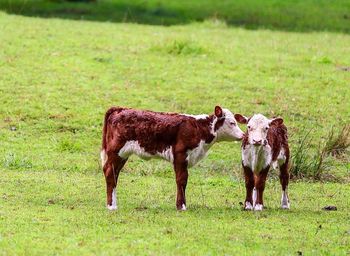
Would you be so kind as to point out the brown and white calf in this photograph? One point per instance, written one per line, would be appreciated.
(181, 139)
(264, 144)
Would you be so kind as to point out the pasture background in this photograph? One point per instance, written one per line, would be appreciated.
(59, 73)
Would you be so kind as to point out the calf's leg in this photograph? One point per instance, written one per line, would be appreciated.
(284, 179)
(113, 165)
(181, 173)
(260, 180)
(249, 185)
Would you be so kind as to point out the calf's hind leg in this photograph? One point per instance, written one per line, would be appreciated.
(181, 173)
(284, 179)
(113, 165)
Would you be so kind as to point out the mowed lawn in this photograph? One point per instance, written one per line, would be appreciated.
(58, 77)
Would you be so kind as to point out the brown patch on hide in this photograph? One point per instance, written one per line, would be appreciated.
(278, 139)
(155, 131)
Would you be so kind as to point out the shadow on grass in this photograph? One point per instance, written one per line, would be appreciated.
(288, 15)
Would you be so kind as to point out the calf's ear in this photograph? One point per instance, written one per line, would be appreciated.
(241, 119)
(218, 111)
(276, 121)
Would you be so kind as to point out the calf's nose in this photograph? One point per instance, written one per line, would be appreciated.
(257, 142)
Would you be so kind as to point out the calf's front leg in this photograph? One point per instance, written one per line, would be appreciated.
(249, 185)
(260, 179)
(181, 173)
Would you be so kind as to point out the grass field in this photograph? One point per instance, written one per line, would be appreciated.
(58, 76)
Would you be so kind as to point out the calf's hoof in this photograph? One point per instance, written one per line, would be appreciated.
(181, 208)
(112, 207)
(248, 206)
(258, 207)
(285, 206)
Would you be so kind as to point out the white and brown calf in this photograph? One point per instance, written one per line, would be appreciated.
(264, 144)
(180, 139)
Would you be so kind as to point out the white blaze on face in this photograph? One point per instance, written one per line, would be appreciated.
(258, 126)
(229, 130)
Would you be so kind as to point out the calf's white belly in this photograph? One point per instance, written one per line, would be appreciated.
(193, 155)
(133, 147)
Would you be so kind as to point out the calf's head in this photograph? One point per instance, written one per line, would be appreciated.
(226, 125)
(257, 127)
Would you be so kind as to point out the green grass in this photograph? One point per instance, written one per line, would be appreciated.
(58, 77)
(63, 213)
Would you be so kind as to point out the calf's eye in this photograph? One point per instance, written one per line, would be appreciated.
(232, 123)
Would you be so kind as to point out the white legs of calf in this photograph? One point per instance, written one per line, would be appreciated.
(248, 206)
(254, 196)
(113, 206)
(285, 204)
(257, 207)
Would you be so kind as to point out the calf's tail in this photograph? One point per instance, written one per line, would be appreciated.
(105, 124)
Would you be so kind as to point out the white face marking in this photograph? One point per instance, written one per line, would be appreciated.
(256, 158)
(183, 207)
(133, 147)
(196, 154)
(113, 206)
(258, 126)
(248, 206)
(285, 204)
(104, 157)
(258, 207)
(229, 130)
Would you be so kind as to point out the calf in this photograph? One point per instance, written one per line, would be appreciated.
(264, 144)
(178, 138)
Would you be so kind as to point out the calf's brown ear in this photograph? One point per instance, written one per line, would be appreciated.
(218, 111)
(241, 119)
(276, 121)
